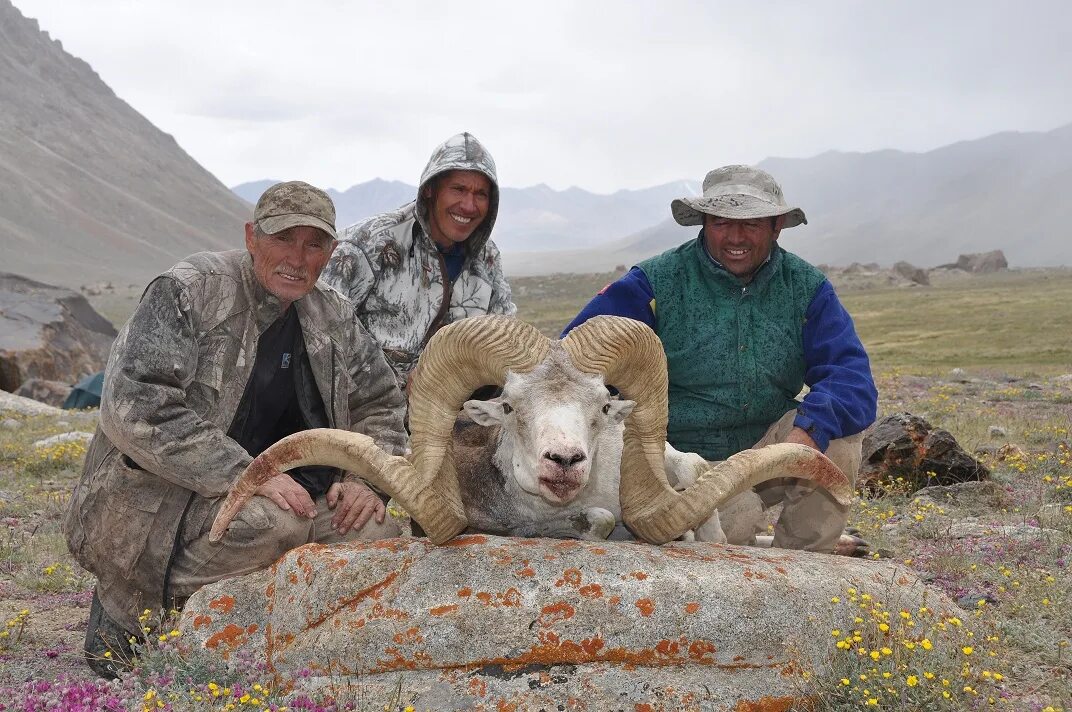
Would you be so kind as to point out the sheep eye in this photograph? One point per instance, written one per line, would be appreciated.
(606, 408)
(507, 409)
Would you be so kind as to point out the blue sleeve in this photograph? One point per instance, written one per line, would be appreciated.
(843, 399)
(630, 296)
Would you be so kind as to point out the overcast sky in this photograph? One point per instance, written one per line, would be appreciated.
(603, 95)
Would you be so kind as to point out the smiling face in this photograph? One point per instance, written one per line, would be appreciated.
(741, 246)
(457, 204)
(288, 263)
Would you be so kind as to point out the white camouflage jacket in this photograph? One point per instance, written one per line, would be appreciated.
(390, 269)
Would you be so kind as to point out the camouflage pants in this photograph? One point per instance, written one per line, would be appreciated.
(258, 536)
(811, 519)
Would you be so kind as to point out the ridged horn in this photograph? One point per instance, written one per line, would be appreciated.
(348, 451)
(631, 358)
(459, 358)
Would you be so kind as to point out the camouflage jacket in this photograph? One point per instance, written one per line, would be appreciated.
(389, 266)
(175, 377)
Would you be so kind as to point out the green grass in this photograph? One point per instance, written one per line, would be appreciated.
(1016, 321)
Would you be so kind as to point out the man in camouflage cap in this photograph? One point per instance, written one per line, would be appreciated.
(226, 353)
(745, 325)
(431, 262)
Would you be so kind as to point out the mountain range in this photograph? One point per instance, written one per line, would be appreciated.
(1006, 191)
(534, 218)
(89, 189)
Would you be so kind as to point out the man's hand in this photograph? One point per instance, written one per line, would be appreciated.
(288, 494)
(801, 437)
(354, 504)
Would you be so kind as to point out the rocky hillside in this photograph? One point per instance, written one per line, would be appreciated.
(89, 188)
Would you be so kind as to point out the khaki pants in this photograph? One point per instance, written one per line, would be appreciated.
(257, 538)
(811, 519)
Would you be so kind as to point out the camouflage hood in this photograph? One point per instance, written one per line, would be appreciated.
(461, 153)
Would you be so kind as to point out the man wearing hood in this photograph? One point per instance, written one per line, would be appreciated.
(431, 262)
(745, 326)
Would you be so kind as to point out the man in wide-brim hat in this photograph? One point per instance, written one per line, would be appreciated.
(745, 326)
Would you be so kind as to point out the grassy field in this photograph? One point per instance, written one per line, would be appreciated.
(1019, 321)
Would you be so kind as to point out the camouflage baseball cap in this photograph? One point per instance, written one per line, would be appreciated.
(737, 193)
(293, 203)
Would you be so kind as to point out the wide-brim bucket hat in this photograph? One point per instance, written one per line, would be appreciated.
(737, 193)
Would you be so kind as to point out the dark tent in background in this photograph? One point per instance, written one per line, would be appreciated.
(86, 393)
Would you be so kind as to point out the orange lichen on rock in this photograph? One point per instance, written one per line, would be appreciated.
(409, 635)
(555, 612)
(478, 688)
(570, 577)
(667, 647)
(646, 606)
(223, 604)
(592, 590)
(692, 607)
(700, 650)
(767, 704)
(465, 592)
(638, 575)
(231, 636)
(527, 572)
(467, 540)
(443, 610)
(201, 620)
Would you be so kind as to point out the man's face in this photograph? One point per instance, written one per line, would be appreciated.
(458, 204)
(741, 246)
(288, 263)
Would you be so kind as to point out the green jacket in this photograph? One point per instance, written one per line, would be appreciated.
(735, 353)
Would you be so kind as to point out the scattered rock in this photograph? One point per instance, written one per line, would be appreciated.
(905, 445)
(1054, 514)
(1010, 451)
(25, 406)
(996, 431)
(983, 262)
(48, 332)
(969, 495)
(911, 273)
(77, 435)
(972, 528)
(958, 375)
(53, 393)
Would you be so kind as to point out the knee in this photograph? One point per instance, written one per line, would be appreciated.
(272, 527)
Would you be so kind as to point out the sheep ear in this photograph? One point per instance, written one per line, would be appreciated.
(486, 413)
(619, 409)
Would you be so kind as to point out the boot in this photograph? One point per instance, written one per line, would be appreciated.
(103, 635)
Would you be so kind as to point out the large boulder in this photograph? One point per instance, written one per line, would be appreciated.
(916, 275)
(983, 262)
(488, 622)
(52, 392)
(49, 333)
(907, 446)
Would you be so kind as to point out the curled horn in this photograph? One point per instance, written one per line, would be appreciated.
(458, 359)
(631, 358)
(348, 451)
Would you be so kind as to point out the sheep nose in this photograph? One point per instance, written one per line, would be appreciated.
(568, 458)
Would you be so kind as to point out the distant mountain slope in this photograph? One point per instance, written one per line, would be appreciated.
(89, 188)
(535, 218)
(1009, 191)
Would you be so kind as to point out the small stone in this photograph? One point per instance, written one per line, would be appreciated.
(77, 435)
(957, 374)
(996, 431)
